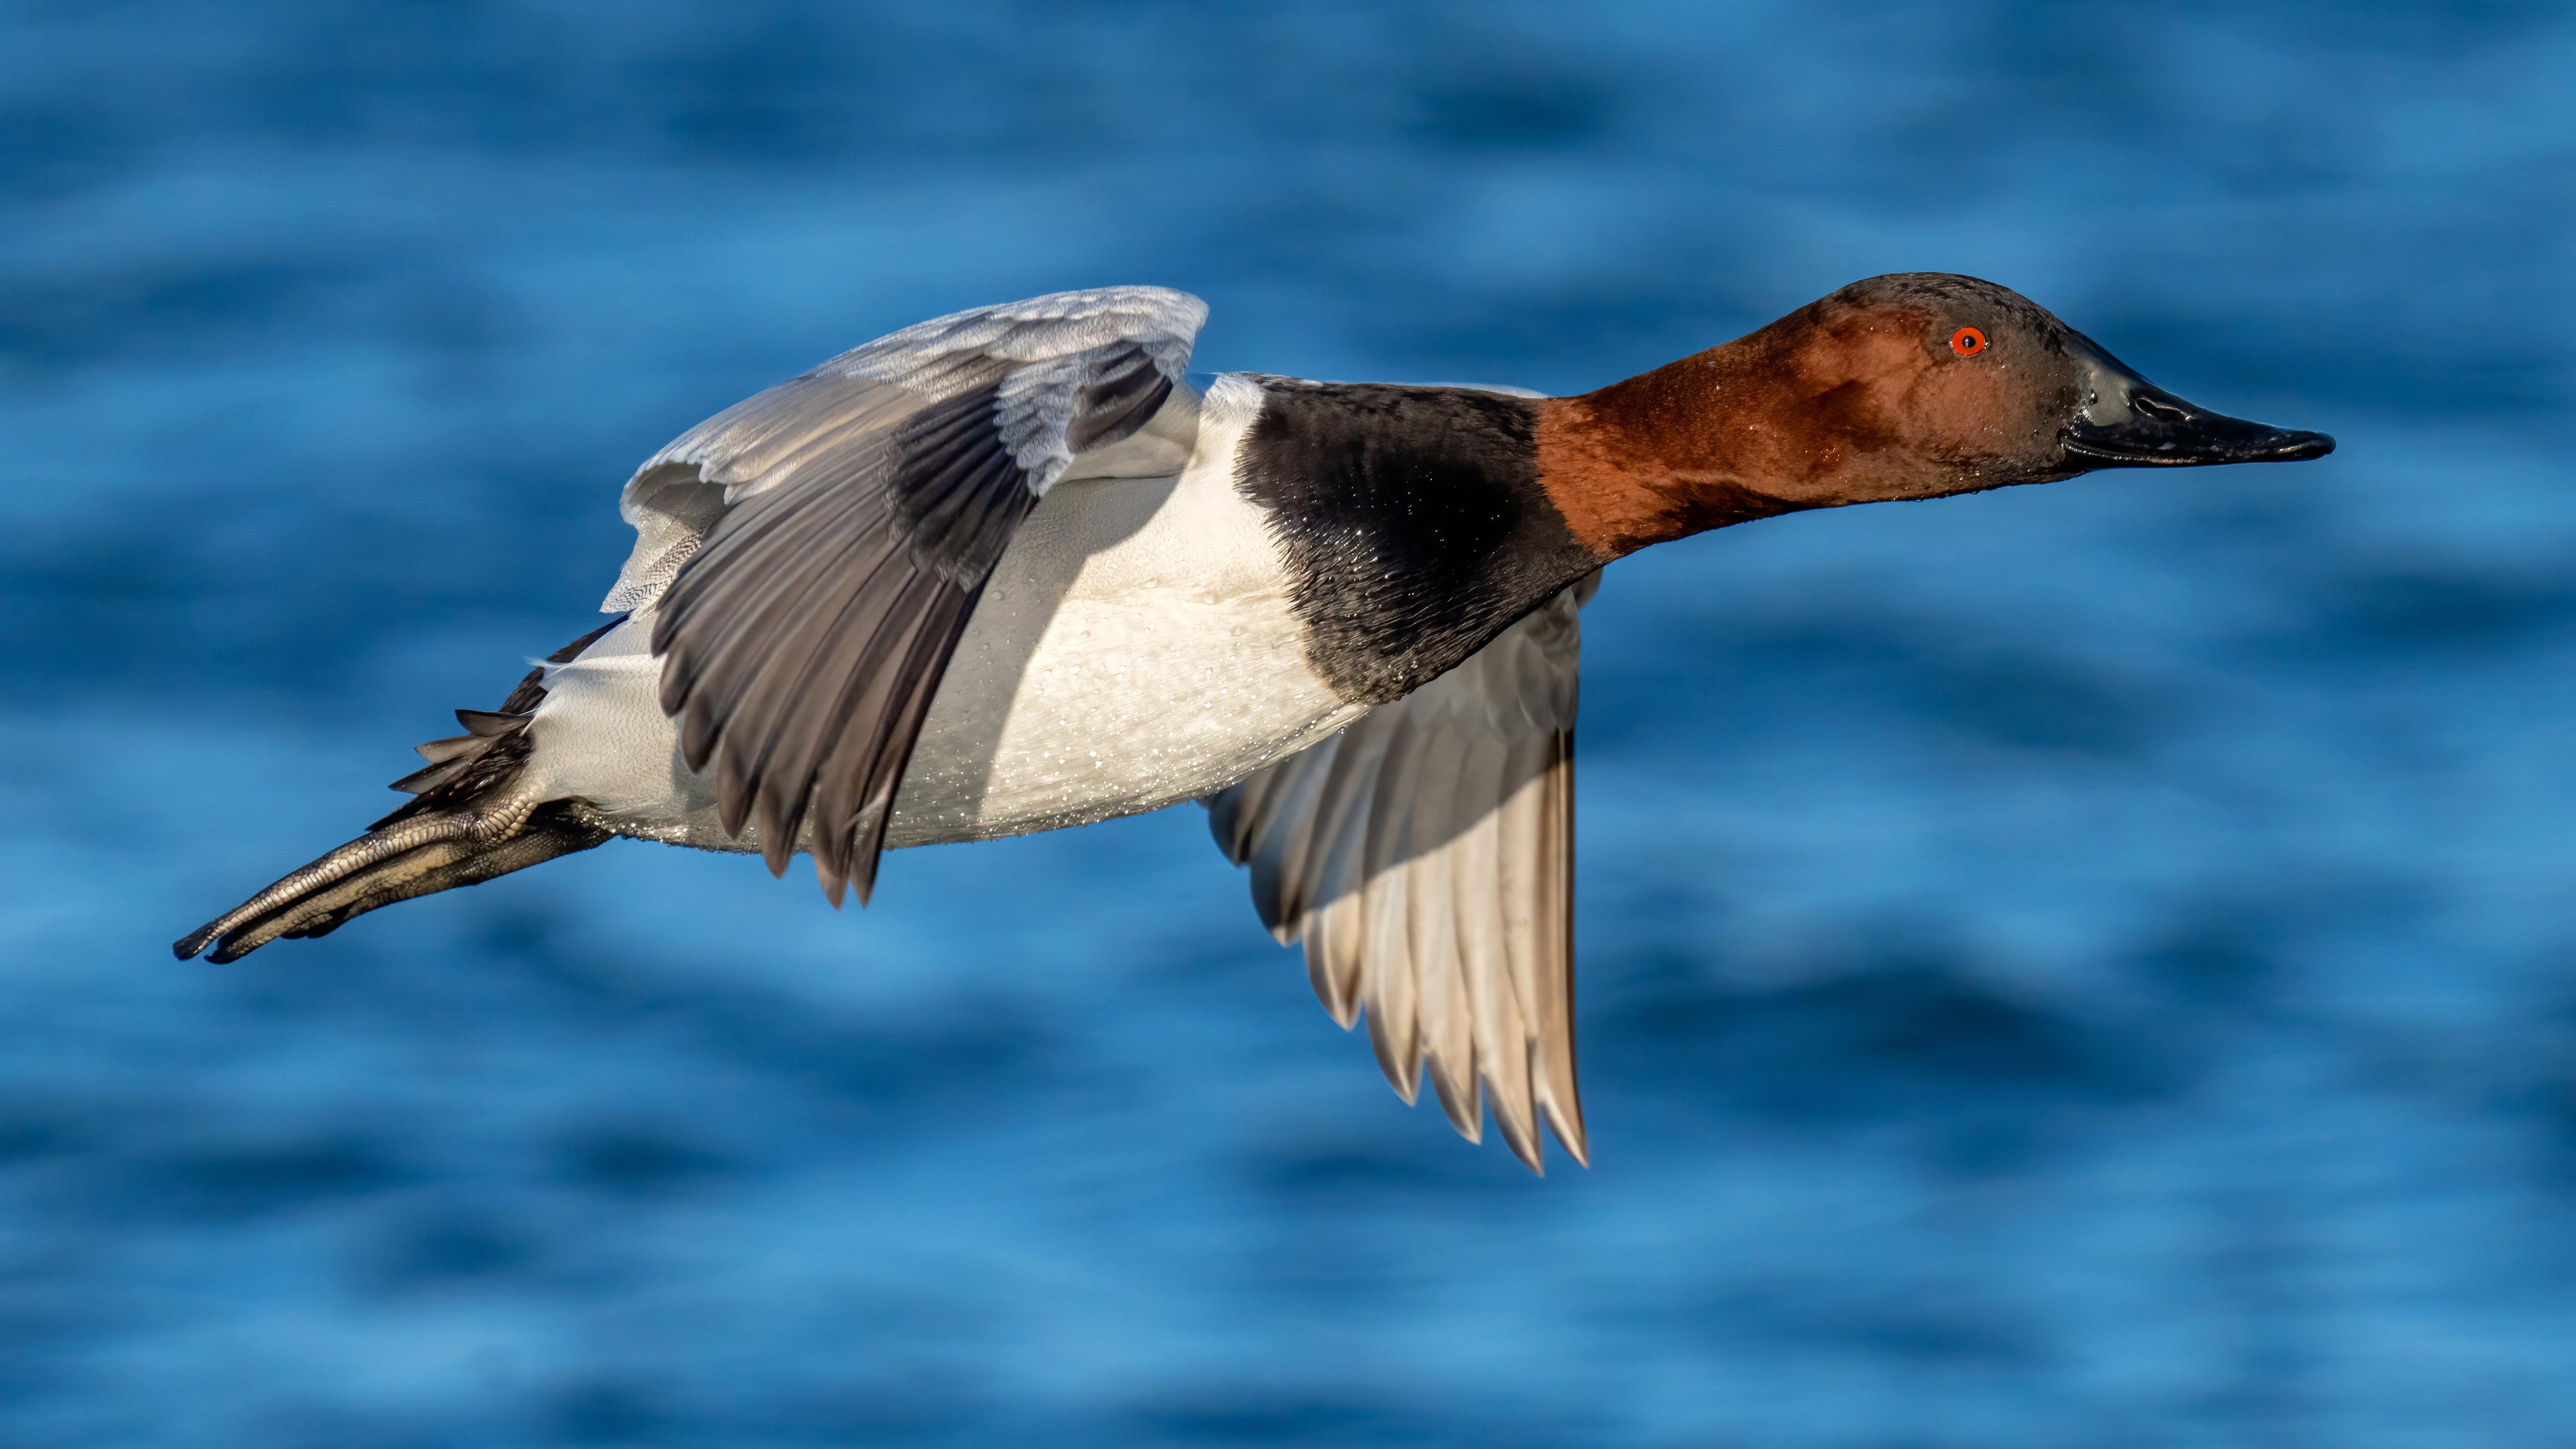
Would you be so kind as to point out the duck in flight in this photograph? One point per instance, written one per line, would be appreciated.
(1008, 571)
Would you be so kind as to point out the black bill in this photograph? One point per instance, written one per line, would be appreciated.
(2129, 422)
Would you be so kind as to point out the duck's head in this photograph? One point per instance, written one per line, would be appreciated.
(1912, 385)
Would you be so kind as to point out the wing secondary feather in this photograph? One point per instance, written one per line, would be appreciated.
(1425, 855)
(812, 555)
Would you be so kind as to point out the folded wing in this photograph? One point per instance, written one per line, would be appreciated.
(1425, 855)
(810, 556)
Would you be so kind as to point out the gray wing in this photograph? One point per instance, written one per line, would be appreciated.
(812, 555)
(1425, 854)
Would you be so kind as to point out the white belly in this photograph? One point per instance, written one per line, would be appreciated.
(1134, 649)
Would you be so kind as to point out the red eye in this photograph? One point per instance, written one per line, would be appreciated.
(1967, 342)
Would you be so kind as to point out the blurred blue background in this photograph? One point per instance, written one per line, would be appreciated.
(2085, 965)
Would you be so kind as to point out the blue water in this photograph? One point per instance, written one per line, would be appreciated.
(2087, 965)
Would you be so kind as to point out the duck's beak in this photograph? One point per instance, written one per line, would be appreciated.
(2128, 422)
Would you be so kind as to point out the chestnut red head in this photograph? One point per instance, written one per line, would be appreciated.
(1990, 388)
(1912, 385)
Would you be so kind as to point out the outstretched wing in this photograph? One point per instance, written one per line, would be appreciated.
(1425, 853)
(811, 555)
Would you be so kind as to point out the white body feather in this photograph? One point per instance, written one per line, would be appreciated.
(1134, 649)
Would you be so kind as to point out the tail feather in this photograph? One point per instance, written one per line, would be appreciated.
(469, 823)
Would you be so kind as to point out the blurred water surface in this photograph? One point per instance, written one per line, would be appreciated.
(2082, 965)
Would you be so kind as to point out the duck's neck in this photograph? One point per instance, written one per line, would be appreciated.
(1707, 441)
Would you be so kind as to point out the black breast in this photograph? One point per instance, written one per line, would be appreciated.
(1413, 522)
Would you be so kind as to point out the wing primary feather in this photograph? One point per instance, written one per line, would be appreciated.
(859, 775)
(1283, 867)
(1423, 876)
(1553, 1068)
(743, 678)
(1235, 817)
(1394, 990)
(1501, 1024)
(1464, 1106)
(756, 574)
(856, 675)
(1336, 877)
(937, 646)
(1521, 860)
(1338, 859)
(1424, 853)
(755, 568)
(761, 701)
(719, 623)
(783, 516)
(774, 691)
(1334, 942)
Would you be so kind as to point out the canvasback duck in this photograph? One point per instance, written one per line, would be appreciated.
(1008, 571)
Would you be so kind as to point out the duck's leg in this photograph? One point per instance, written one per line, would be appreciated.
(416, 857)
(473, 820)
